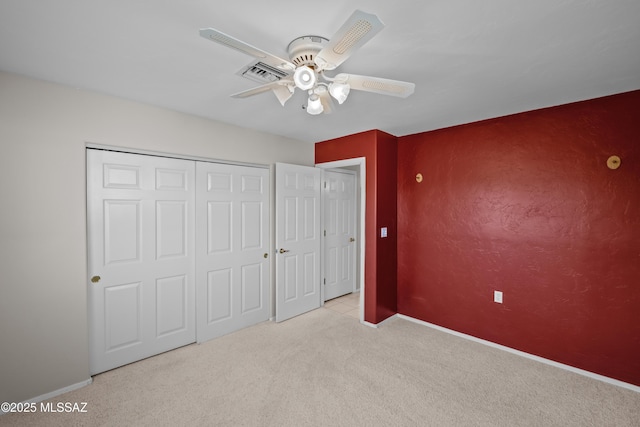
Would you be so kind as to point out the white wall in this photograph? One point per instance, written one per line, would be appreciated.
(43, 131)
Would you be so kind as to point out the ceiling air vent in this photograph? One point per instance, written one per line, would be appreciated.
(262, 73)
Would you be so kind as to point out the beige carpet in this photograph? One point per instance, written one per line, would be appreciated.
(325, 369)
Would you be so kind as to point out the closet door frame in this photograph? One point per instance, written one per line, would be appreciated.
(192, 287)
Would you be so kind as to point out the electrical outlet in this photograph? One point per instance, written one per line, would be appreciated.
(497, 297)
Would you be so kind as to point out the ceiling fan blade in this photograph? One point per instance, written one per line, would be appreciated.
(377, 85)
(255, 91)
(355, 32)
(283, 89)
(283, 93)
(232, 42)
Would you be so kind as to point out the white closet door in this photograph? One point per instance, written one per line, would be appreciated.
(298, 240)
(232, 248)
(339, 234)
(141, 219)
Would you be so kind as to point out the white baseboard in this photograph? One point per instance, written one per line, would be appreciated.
(377, 325)
(592, 375)
(58, 392)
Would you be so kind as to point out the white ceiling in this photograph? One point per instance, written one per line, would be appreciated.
(470, 59)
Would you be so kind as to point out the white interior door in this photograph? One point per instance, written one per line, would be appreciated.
(232, 218)
(141, 256)
(340, 233)
(297, 240)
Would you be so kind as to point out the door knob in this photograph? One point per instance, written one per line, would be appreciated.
(352, 240)
(95, 279)
(283, 250)
(266, 255)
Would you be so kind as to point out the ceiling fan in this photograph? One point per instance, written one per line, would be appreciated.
(310, 57)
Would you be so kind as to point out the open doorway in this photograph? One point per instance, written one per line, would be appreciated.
(359, 166)
(339, 223)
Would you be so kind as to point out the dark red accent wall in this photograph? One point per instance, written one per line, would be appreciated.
(380, 151)
(526, 204)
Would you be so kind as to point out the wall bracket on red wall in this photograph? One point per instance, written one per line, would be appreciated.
(613, 162)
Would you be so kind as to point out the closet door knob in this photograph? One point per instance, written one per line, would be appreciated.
(95, 279)
(283, 250)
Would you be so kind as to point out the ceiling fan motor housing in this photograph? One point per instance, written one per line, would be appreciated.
(303, 50)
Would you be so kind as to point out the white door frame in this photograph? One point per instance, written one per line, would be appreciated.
(171, 155)
(362, 183)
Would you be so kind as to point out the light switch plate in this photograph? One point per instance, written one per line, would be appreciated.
(497, 297)
(383, 232)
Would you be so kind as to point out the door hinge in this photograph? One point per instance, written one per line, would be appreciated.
(324, 281)
(325, 233)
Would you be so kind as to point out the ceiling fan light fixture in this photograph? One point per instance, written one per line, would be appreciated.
(304, 78)
(339, 91)
(314, 106)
